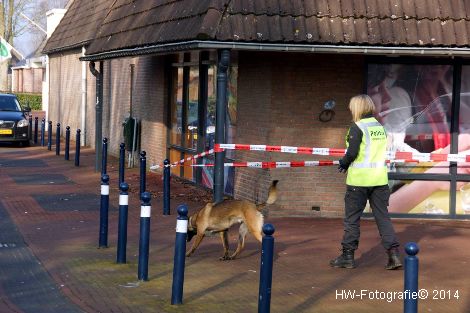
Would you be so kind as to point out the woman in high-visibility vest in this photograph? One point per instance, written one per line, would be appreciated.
(367, 179)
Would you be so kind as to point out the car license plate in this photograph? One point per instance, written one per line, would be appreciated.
(6, 132)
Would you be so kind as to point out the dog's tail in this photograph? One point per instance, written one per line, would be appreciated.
(272, 196)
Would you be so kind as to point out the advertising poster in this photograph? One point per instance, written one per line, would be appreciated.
(414, 102)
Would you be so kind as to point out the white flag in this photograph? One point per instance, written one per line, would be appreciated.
(5, 50)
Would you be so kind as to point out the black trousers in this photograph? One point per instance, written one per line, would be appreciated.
(355, 202)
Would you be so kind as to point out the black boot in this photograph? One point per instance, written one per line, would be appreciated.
(345, 260)
(393, 259)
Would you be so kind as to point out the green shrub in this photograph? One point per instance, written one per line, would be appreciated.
(34, 101)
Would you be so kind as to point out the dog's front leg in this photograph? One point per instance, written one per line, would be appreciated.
(224, 238)
(196, 243)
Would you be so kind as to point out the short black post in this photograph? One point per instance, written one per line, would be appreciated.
(411, 278)
(67, 143)
(143, 167)
(30, 128)
(104, 207)
(166, 187)
(43, 131)
(104, 156)
(77, 148)
(122, 160)
(144, 241)
(36, 130)
(49, 136)
(122, 224)
(180, 255)
(266, 271)
(57, 140)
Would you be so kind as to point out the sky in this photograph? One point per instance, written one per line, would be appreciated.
(32, 37)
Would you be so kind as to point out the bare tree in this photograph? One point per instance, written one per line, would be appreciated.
(13, 24)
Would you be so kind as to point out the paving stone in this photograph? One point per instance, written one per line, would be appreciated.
(22, 163)
(23, 278)
(70, 202)
(41, 179)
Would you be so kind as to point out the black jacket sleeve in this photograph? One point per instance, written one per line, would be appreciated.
(354, 139)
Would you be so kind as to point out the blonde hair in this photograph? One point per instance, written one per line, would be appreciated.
(360, 105)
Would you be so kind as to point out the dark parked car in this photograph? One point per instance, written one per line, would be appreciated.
(14, 124)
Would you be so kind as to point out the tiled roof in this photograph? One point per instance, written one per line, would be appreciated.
(79, 25)
(143, 23)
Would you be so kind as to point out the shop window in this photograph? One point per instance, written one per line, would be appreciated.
(414, 103)
(231, 125)
(192, 121)
(177, 109)
(189, 111)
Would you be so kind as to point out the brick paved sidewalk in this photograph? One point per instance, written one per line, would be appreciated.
(55, 210)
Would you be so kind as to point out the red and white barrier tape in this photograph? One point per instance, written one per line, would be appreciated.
(396, 157)
(275, 164)
(285, 149)
(180, 162)
(410, 156)
(286, 164)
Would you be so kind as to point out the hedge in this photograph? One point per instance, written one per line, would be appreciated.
(34, 101)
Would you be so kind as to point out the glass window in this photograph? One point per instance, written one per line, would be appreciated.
(185, 117)
(177, 108)
(192, 120)
(463, 198)
(464, 112)
(231, 118)
(211, 102)
(414, 103)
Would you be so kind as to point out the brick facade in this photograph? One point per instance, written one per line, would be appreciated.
(280, 97)
(27, 79)
(148, 103)
(65, 94)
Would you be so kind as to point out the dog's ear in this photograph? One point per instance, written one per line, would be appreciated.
(190, 235)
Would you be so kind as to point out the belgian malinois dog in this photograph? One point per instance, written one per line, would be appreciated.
(219, 217)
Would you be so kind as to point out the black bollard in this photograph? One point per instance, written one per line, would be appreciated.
(30, 128)
(166, 187)
(43, 132)
(104, 207)
(67, 143)
(411, 278)
(180, 255)
(57, 140)
(122, 160)
(36, 130)
(49, 136)
(104, 156)
(145, 211)
(266, 270)
(122, 224)
(143, 167)
(77, 148)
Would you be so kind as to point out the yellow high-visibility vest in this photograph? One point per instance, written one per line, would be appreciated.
(369, 168)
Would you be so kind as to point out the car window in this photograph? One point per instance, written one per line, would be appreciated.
(9, 104)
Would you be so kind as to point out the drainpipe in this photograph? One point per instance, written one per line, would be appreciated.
(83, 104)
(98, 112)
(221, 108)
(46, 91)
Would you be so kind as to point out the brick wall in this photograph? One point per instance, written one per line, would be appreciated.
(279, 99)
(28, 80)
(148, 102)
(65, 94)
(149, 90)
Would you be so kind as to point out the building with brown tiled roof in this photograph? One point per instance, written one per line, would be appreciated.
(287, 63)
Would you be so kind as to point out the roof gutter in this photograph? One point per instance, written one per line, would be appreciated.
(279, 47)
